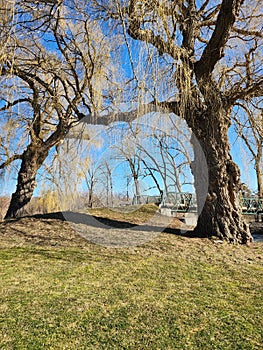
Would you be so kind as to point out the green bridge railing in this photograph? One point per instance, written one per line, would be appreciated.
(186, 201)
(251, 205)
(180, 201)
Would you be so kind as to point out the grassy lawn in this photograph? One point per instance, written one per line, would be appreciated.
(59, 291)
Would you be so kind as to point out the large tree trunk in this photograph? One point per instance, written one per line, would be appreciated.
(32, 159)
(221, 214)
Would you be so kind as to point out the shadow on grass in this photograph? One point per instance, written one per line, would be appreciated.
(107, 224)
(103, 223)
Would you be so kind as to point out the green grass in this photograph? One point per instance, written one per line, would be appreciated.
(60, 292)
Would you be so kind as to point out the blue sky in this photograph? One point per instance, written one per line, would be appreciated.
(242, 157)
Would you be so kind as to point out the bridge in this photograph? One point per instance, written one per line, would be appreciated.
(180, 202)
(177, 201)
(252, 206)
(183, 202)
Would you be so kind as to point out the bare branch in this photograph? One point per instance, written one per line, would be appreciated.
(255, 89)
(215, 48)
(10, 160)
(129, 116)
(253, 33)
(14, 103)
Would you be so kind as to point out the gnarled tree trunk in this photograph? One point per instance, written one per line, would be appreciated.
(32, 159)
(221, 214)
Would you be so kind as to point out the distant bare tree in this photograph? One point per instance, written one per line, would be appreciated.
(128, 152)
(165, 155)
(248, 122)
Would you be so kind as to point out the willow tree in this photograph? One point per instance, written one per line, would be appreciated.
(53, 65)
(212, 53)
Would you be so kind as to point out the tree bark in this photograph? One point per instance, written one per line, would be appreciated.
(32, 159)
(221, 214)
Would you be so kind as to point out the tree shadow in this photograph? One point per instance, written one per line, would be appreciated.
(108, 224)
